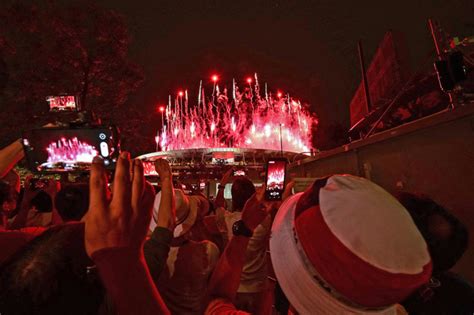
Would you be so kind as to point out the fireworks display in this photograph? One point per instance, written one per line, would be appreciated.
(276, 179)
(240, 118)
(276, 175)
(70, 151)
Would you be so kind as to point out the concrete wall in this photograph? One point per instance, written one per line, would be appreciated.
(434, 156)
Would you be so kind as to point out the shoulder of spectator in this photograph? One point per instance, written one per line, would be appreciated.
(213, 252)
(222, 307)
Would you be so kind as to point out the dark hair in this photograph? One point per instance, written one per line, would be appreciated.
(72, 202)
(4, 191)
(446, 236)
(42, 202)
(242, 190)
(8, 194)
(50, 276)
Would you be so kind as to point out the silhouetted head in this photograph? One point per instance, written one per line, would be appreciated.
(51, 276)
(446, 236)
(72, 202)
(42, 202)
(8, 197)
(242, 190)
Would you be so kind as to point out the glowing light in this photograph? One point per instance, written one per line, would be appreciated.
(249, 80)
(162, 109)
(267, 130)
(180, 93)
(276, 178)
(193, 129)
(215, 78)
(237, 120)
(70, 151)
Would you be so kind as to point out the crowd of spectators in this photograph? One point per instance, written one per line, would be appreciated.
(343, 246)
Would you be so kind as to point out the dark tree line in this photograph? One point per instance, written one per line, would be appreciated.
(82, 49)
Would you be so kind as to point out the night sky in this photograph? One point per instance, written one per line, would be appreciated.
(307, 48)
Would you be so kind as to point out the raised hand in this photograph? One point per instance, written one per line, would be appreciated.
(257, 208)
(163, 169)
(124, 221)
(115, 233)
(166, 212)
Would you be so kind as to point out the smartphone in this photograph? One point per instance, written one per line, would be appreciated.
(63, 103)
(56, 150)
(275, 179)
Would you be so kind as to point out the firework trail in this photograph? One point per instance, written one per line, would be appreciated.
(245, 120)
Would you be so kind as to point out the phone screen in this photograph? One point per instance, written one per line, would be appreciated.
(62, 103)
(275, 180)
(52, 150)
(149, 168)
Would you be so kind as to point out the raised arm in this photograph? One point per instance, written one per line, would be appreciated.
(9, 156)
(20, 219)
(166, 213)
(225, 279)
(220, 200)
(115, 233)
(157, 247)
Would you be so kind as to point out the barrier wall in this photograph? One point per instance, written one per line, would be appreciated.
(434, 156)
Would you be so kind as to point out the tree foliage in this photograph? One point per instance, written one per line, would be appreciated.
(48, 49)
